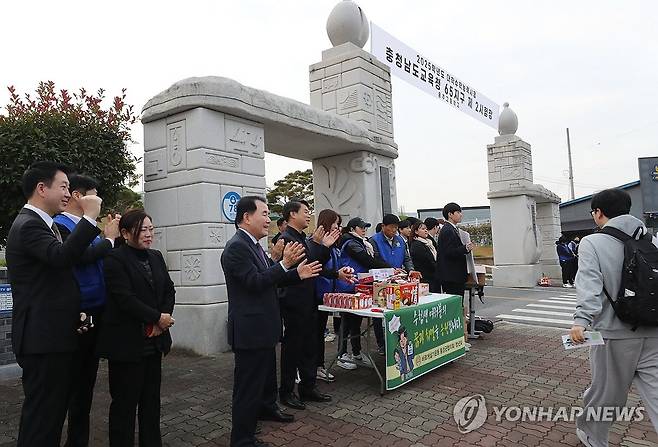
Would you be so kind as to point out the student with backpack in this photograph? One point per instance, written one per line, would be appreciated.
(617, 296)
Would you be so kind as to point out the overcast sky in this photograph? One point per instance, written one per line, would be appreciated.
(591, 66)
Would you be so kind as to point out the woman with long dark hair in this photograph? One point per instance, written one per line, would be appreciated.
(424, 255)
(135, 332)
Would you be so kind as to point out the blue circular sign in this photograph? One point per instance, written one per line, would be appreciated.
(230, 205)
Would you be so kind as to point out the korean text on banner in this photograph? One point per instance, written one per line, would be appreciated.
(416, 69)
(422, 338)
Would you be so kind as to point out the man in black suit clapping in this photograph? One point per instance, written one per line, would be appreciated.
(254, 322)
(46, 311)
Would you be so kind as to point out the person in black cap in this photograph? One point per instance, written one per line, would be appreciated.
(356, 252)
(391, 248)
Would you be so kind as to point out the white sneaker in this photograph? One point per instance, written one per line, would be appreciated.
(344, 362)
(363, 359)
(467, 346)
(324, 375)
(583, 437)
(566, 286)
(298, 379)
(330, 337)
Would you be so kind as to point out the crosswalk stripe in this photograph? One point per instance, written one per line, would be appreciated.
(568, 296)
(544, 312)
(560, 301)
(548, 306)
(537, 319)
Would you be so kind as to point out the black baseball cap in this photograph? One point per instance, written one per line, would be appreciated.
(357, 222)
(391, 219)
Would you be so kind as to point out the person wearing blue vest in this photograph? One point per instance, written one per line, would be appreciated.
(390, 248)
(89, 275)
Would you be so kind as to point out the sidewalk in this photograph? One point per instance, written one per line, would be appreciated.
(515, 365)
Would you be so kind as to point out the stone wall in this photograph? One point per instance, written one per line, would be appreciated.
(6, 353)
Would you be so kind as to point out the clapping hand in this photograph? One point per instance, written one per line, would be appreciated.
(293, 252)
(306, 270)
(330, 238)
(318, 234)
(111, 229)
(346, 274)
(277, 250)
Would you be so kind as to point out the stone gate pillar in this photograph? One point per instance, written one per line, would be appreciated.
(197, 164)
(352, 83)
(525, 219)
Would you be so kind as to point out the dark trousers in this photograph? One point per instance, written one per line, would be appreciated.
(84, 371)
(569, 269)
(350, 327)
(46, 382)
(135, 387)
(453, 288)
(322, 326)
(299, 350)
(378, 329)
(254, 392)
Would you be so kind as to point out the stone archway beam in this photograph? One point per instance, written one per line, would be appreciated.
(292, 129)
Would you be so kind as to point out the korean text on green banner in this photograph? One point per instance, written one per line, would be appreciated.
(422, 338)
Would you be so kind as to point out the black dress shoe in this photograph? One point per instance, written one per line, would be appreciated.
(314, 396)
(276, 416)
(290, 400)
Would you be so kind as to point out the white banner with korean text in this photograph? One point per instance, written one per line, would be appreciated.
(416, 69)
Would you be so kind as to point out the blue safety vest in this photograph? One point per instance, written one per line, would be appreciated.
(91, 280)
(393, 256)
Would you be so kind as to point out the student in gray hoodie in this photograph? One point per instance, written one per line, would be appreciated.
(627, 356)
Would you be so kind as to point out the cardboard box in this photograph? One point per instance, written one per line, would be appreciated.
(423, 289)
(381, 292)
(366, 289)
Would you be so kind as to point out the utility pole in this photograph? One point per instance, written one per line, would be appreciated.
(573, 194)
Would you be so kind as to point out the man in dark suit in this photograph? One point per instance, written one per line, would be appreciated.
(46, 311)
(254, 322)
(452, 254)
(91, 282)
(299, 349)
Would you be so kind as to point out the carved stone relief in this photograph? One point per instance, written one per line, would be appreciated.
(244, 138)
(176, 146)
(192, 266)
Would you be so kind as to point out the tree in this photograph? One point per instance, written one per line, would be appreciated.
(295, 185)
(74, 129)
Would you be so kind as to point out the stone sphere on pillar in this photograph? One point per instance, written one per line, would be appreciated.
(508, 123)
(347, 23)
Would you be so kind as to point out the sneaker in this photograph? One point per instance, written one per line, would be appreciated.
(363, 359)
(324, 375)
(344, 362)
(330, 337)
(566, 286)
(467, 346)
(298, 379)
(584, 438)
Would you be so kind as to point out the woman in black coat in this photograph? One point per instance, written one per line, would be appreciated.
(135, 331)
(424, 256)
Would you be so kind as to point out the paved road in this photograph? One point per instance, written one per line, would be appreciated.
(549, 307)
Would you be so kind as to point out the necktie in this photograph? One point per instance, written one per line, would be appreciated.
(261, 253)
(58, 235)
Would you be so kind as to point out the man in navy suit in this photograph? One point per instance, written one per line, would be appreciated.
(254, 320)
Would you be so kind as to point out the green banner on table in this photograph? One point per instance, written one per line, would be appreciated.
(421, 338)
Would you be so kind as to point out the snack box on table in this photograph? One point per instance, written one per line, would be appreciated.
(347, 300)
